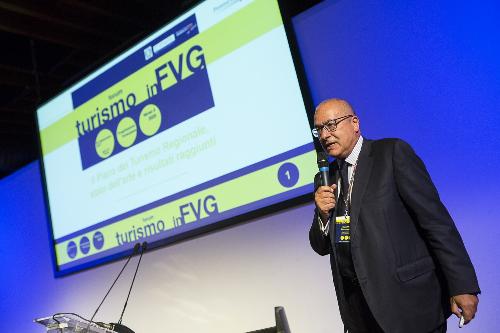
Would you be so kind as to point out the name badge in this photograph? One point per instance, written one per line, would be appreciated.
(343, 229)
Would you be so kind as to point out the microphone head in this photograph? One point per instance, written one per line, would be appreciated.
(322, 160)
(144, 246)
(136, 247)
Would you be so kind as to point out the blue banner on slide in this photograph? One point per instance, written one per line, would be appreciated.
(192, 96)
(127, 122)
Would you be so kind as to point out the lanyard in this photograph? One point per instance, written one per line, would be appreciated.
(347, 201)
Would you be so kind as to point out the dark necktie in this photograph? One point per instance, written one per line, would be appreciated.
(344, 187)
(344, 257)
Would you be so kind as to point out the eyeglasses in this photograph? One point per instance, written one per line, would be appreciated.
(330, 125)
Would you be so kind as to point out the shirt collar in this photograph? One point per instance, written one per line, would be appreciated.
(353, 156)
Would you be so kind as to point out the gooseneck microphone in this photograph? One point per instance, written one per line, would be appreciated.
(118, 327)
(324, 168)
(135, 250)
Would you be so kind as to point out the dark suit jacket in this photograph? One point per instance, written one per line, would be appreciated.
(408, 255)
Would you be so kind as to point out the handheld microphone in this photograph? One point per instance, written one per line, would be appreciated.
(324, 168)
(136, 248)
(118, 327)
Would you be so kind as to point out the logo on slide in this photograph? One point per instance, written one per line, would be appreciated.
(84, 245)
(72, 249)
(98, 240)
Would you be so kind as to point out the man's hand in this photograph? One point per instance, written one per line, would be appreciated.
(465, 305)
(325, 200)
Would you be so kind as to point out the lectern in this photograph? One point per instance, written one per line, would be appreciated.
(68, 323)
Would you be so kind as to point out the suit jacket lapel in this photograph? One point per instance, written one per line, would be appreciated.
(361, 178)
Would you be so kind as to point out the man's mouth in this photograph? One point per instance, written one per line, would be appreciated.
(330, 145)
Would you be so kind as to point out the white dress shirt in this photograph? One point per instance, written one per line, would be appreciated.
(351, 160)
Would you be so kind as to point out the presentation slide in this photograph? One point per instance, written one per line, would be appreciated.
(200, 122)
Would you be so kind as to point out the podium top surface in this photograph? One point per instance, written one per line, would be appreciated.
(70, 323)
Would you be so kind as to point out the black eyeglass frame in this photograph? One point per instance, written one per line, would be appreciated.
(330, 125)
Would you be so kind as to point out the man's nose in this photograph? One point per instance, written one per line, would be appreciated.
(324, 134)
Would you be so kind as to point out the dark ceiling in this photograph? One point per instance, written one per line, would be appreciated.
(46, 45)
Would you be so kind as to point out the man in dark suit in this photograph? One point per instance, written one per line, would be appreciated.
(398, 262)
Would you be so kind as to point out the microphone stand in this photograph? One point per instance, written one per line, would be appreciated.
(118, 327)
(136, 248)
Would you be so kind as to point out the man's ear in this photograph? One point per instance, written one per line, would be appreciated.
(355, 123)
